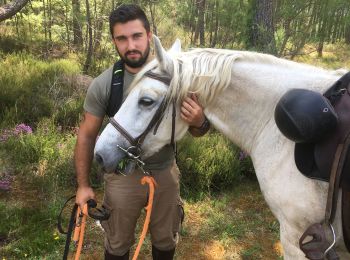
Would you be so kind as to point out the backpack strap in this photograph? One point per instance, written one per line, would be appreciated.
(116, 96)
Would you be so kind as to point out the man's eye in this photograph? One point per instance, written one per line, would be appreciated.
(146, 102)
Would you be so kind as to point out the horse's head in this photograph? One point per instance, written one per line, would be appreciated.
(145, 118)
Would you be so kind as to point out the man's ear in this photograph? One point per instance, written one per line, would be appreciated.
(149, 36)
(165, 61)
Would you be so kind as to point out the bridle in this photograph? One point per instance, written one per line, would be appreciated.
(134, 151)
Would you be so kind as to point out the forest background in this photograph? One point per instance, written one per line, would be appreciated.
(49, 52)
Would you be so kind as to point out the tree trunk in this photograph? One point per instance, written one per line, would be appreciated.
(323, 24)
(45, 21)
(67, 25)
(262, 31)
(99, 29)
(200, 23)
(10, 9)
(77, 31)
(215, 38)
(320, 48)
(347, 34)
(196, 27)
(49, 9)
(152, 12)
(192, 21)
(90, 47)
(287, 34)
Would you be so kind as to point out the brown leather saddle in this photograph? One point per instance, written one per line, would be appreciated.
(315, 160)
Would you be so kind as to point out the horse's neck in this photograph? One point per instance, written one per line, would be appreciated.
(245, 109)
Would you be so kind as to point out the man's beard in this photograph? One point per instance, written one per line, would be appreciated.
(135, 63)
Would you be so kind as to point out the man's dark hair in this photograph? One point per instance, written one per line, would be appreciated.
(126, 13)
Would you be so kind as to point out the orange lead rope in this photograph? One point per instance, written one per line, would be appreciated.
(151, 183)
(79, 229)
(81, 216)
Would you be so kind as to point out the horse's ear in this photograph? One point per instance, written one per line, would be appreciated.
(164, 60)
(176, 48)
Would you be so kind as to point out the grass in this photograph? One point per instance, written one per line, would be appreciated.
(30, 228)
(232, 225)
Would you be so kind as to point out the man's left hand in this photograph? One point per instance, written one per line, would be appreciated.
(192, 111)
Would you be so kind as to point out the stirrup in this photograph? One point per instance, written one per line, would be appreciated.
(318, 248)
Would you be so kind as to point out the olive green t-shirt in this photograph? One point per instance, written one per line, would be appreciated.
(96, 102)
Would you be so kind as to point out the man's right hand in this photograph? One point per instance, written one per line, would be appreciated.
(83, 195)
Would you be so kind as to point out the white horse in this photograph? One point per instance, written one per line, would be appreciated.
(239, 91)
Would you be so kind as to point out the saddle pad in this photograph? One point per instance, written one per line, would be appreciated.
(314, 160)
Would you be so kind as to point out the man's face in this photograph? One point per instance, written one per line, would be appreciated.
(132, 42)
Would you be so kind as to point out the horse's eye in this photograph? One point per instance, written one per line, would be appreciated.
(146, 102)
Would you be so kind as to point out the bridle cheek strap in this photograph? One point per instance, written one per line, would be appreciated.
(173, 117)
(155, 121)
(121, 130)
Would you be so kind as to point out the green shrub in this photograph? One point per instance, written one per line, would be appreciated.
(32, 89)
(68, 114)
(8, 44)
(210, 163)
(44, 156)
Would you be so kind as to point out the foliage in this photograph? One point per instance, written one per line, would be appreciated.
(29, 230)
(224, 27)
(32, 89)
(301, 22)
(44, 156)
(219, 23)
(210, 163)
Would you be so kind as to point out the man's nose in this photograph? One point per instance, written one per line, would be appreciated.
(131, 44)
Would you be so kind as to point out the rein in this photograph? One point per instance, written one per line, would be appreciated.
(151, 184)
(77, 223)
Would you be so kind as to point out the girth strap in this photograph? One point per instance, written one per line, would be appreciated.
(337, 169)
(333, 188)
(315, 248)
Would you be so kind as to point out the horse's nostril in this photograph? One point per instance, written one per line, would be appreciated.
(99, 159)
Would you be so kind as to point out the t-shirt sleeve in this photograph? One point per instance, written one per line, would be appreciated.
(96, 100)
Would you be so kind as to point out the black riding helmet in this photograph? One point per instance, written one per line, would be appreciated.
(305, 116)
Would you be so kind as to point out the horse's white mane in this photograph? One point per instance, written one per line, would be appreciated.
(209, 71)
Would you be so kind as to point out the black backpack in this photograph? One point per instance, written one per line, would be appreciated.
(116, 96)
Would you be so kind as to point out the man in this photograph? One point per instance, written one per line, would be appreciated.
(124, 195)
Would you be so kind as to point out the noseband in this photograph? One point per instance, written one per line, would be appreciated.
(134, 151)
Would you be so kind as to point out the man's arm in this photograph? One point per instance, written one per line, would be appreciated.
(192, 113)
(83, 155)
